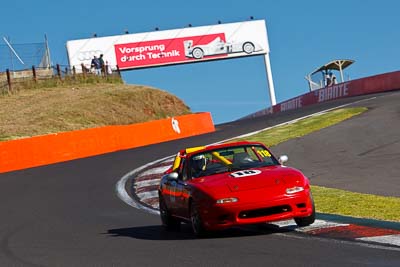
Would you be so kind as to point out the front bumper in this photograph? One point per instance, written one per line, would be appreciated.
(285, 207)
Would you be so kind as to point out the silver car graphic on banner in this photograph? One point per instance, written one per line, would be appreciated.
(218, 46)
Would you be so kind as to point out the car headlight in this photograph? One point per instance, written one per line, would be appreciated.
(227, 200)
(294, 189)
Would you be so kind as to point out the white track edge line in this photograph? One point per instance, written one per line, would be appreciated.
(124, 196)
(385, 239)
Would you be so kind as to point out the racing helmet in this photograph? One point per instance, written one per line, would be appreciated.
(199, 162)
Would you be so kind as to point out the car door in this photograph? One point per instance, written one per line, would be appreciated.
(169, 192)
(182, 191)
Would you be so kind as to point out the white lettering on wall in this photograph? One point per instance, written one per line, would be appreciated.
(292, 104)
(333, 92)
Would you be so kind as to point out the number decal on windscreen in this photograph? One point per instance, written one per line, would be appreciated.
(264, 153)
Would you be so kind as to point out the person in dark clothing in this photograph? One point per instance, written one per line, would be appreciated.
(102, 66)
(96, 65)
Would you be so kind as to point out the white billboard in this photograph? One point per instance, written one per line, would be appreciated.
(186, 45)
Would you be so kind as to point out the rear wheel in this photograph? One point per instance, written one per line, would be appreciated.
(306, 221)
(197, 222)
(248, 48)
(170, 223)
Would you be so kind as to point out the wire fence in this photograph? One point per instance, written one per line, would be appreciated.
(36, 77)
(16, 73)
(19, 56)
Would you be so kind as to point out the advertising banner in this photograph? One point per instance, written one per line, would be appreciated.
(186, 45)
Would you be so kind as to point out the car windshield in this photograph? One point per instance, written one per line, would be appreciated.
(230, 159)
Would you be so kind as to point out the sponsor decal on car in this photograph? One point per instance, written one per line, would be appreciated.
(244, 173)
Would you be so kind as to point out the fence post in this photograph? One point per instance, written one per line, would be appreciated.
(83, 70)
(9, 81)
(118, 71)
(103, 70)
(34, 73)
(58, 71)
(73, 71)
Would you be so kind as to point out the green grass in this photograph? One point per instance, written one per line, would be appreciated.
(303, 127)
(336, 201)
(329, 200)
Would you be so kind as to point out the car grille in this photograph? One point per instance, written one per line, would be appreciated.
(248, 214)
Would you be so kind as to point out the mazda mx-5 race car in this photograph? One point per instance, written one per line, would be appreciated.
(219, 186)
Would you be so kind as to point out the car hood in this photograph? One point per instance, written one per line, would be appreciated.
(237, 181)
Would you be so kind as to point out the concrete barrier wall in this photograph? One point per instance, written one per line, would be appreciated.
(373, 84)
(53, 148)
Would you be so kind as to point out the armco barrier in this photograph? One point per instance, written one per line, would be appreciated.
(373, 84)
(53, 148)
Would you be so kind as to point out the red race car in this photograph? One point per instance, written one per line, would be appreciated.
(219, 186)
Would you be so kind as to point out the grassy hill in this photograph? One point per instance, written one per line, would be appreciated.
(79, 106)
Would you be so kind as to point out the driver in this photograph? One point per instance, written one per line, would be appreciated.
(242, 158)
(199, 165)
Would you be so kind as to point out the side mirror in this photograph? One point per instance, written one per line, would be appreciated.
(283, 159)
(173, 176)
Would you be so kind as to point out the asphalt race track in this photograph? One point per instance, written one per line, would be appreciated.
(68, 214)
(360, 155)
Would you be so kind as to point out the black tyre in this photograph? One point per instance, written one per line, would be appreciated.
(197, 222)
(248, 47)
(197, 53)
(170, 223)
(306, 221)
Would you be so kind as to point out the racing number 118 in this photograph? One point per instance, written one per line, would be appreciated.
(264, 153)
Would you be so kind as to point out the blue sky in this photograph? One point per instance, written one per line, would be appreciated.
(302, 36)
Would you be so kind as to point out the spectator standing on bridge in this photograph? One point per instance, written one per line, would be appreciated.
(334, 81)
(328, 79)
(96, 65)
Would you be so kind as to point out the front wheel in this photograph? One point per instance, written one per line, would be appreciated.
(170, 223)
(197, 222)
(306, 221)
(197, 53)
